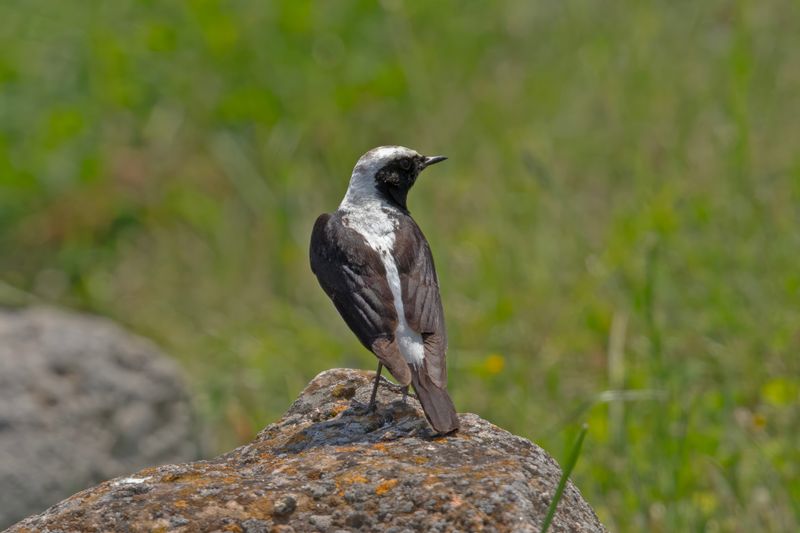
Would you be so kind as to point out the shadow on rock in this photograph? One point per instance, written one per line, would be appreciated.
(361, 424)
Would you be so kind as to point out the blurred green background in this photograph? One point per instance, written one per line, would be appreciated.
(616, 231)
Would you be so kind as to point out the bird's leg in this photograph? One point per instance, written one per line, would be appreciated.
(375, 387)
(405, 394)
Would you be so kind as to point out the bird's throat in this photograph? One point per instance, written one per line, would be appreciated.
(394, 195)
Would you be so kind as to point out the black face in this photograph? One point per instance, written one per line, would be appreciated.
(396, 178)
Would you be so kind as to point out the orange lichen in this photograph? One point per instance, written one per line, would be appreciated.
(181, 504)
(353, 477)
(343, 449)
(431, 480)
(336, 409)
(260, 508)
(385, 486)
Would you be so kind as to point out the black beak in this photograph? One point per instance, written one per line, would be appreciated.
(432, 160)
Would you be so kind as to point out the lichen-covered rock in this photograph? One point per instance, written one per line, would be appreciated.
(328, 465)
(82, 401)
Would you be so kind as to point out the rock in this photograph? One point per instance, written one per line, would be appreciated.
(329, 465)
(82, 401)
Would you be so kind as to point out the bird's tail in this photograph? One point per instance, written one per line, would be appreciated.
(438, 407)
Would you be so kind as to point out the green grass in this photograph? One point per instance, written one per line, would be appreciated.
(616, 230)
(562, 482)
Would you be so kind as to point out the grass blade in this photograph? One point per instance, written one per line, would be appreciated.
(562, 483)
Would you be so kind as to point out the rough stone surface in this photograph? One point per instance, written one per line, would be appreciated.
(81, 401)
(330, 465)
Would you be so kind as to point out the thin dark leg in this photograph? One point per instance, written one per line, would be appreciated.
(375, 387)
(405, 393)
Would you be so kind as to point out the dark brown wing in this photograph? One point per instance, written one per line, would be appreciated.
(353, 276)
(421, 301)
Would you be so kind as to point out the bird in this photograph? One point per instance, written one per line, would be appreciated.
(373, 261)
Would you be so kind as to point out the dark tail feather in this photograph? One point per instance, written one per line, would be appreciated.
(438, 407)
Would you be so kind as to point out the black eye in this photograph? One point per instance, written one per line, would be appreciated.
(405, 164)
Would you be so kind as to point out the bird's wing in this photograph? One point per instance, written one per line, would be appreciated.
(421, 301)
(353, 276)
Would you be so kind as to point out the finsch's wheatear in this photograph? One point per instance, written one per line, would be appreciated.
(373, 261)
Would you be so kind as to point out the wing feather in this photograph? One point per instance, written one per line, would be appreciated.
(422, 303)
(353, 276)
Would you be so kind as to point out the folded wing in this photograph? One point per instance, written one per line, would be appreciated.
(353, 276)
(421, 301)
(423, 310)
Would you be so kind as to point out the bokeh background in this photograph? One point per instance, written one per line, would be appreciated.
(616, 231)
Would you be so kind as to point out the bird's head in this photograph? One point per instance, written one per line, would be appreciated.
(387, 173)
